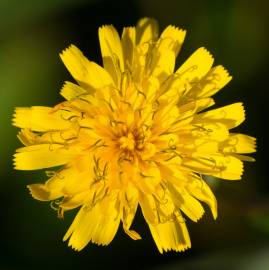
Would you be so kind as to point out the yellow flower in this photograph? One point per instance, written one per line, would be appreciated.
(132, 133)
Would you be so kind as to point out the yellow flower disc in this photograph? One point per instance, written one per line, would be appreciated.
(133, 133)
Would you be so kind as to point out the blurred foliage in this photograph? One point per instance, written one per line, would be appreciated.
(14, 12)
(32, 33)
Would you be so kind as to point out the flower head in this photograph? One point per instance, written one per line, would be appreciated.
(132, 134)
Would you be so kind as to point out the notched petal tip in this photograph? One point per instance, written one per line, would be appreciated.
(204, 51)
(243, 111)
(20, 117)
(73, 247)
(183, 248)
(71, 47)
(226, 73)
(14, 116)
(174, 27)
(15, 162)
(39, 192)
(233, 171)
(105, 26)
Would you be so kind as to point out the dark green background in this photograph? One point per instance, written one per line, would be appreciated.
(33, 32)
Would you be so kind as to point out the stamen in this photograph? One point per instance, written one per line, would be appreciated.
(127, 142)
(55, 204)
(190, 69)
(60, 213)
(178, 215)
(57, 174)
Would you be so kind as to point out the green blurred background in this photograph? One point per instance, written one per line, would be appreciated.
(33, 32)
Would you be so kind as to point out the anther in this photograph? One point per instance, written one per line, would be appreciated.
(127, 142)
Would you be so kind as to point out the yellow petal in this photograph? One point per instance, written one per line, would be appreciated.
(167, 115)
(42, 193)
(239, 143)
(94, 224)
(201, 191)
(76, 200)
(56, 137)
(161, 59)
(148, 177)
(214, 131)
(88, 74)
(147, 30)
(172, 38)
(187, 112)
(39, 118)
(145, 52)
(130, 203)
(71, 91)
(132, 234)
(231, 115)
(243, 157)
(194, 68)
(192, 208)
(214, 80)
(27, 137)
(171, 170)
(42, 156)
(198, 146)
(111, 50)
(158, 207)
(71, 181)
(167, 141)
(128, 42)
(171, 235)
(188, 204)
(233, 169)
(150, 88)
(148, 207)
(162, 64)
(219, 165)
(204, 146)
(200, 104)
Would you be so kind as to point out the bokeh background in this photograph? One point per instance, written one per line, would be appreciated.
(33, 32)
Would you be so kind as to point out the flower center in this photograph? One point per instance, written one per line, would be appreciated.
(127, 142)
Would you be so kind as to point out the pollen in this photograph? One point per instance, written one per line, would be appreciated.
(127, 142)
